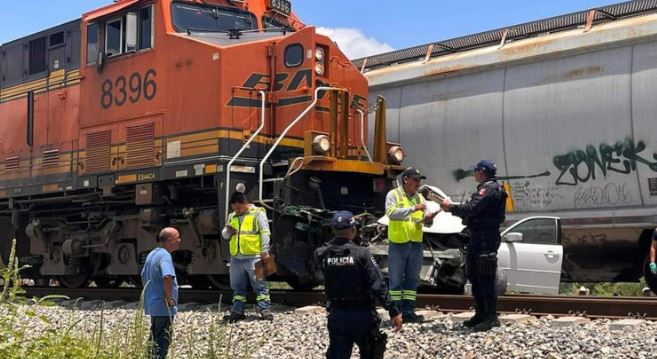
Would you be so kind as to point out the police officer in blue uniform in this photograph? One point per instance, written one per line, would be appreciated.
(482, 214)
(353, 282)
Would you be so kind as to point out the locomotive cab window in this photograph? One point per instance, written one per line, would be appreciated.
(129, 33)
(114, 37)
(293, 55)
(146, 28)
(92, 43)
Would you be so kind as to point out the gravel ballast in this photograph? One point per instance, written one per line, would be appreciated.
(304, 335)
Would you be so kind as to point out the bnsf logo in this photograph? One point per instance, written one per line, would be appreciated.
(287, 82)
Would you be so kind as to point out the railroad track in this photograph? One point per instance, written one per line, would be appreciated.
(593, 307)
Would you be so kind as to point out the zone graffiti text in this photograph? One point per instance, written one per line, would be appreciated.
(583, 165)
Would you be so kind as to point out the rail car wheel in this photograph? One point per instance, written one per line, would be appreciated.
(136, 281)
(221, 282)
(105, 282)
(75, 281)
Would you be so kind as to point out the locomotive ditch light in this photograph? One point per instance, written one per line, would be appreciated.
(396, 155)
(319, 54)
(319, 68)
(321, 145)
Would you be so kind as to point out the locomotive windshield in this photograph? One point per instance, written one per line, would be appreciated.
(204, 18)
(273, 24)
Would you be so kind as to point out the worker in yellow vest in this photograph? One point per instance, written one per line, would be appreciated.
(407, 212)
(247, 228)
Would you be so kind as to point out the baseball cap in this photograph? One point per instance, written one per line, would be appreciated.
(486, 166)
(413, 173)
(343, 220)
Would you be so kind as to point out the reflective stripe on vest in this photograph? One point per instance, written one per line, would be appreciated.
(409, 229)
(246, 240)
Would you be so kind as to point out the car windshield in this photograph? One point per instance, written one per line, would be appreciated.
(205, 18)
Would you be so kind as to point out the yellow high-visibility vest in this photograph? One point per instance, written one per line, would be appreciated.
(409, 229)
(246, 240)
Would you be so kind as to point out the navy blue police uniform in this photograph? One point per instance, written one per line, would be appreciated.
(482, 214)
(353, 283)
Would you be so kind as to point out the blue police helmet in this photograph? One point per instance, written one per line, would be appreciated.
(343, 220)
(487, 166)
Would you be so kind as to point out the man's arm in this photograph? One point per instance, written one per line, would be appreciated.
(374, 279)
(394, 210)
(483, 198)
(168, 274)
(265, 234)
(377, 285)
(228, 231)
(168, 291)
(428, 215)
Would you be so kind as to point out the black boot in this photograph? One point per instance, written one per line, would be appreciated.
(476, 319)
(489, 323)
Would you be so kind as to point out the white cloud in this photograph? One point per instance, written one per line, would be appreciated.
(354, 43)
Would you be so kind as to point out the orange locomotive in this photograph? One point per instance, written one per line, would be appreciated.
(146, 113)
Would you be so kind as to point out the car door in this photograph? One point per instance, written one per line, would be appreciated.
(531, 255)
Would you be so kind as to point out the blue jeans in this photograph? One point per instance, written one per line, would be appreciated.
(161, 336)
(242, 272)
(404, 265)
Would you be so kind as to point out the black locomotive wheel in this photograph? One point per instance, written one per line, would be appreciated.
(75, 281)
(105, 282)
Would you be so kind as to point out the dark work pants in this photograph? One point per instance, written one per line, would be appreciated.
(161, 336)
(483, 285)
(349, 326)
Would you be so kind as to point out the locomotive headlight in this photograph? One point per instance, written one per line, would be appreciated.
(319, 68)
(396, 154)
(321, 145)
(319, 54)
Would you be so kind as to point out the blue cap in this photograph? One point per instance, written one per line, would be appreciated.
(486, 166)
(343, 220)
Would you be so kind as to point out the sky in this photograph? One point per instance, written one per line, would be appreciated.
(360, 27)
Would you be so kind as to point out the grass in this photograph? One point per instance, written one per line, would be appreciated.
(630, 289)
(85, 337)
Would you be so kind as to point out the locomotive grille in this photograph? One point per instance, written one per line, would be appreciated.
(50, 158)
(98, 151)
(11, 164)
(141, 146)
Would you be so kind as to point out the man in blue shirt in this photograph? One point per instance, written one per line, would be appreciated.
(161, 290)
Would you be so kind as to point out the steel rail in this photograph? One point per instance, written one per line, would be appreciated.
(593, 307)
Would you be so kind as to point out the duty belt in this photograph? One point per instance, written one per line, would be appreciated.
(350, 303)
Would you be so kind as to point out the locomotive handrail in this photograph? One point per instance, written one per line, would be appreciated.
(285, 131)
(362, 133)
(244, 147)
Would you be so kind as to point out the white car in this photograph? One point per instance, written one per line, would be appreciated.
(529, 258)
(531, 255)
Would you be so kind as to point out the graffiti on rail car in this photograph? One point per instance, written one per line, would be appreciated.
(583, 165)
